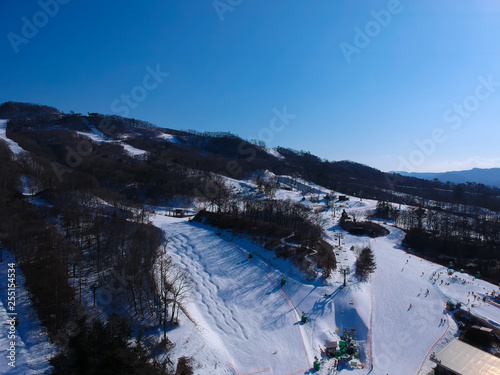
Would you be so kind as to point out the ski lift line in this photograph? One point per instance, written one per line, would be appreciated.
(296, 315)
(439, 339)
(370, 359)
(370, 342)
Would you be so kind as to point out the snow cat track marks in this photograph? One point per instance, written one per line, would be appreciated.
(299, 371)
(207, 286)
(195, 323)
(248, 373)
(273, 280)
(194, 251)
(370, 343)
(297, 316)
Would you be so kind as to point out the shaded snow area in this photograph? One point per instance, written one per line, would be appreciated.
(132, 150)
(14, 147)
(98, 137)
(242, 321)
(32, 348)
(94, 137)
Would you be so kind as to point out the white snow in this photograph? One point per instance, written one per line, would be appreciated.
(168, 137)
(99, 137)
(96, 131)
(14, 147)
(243, 322)
(243, 314)
(94, 137)
(32, 347)
(29, 186)
(132, 150)
(274, 152)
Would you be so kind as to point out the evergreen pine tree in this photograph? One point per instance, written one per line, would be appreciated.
(365, 264)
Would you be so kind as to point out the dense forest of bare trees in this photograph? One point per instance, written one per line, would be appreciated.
(270, 220)
(468, 236)
(82, 245)
(81, 232)
(286, 214)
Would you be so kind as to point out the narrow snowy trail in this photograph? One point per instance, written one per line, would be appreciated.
(14, 147)
(32, 347)
(98, 137)
(403, 334)
(246, 317)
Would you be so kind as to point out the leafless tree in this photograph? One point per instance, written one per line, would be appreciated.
(216, 192)
(180, 287)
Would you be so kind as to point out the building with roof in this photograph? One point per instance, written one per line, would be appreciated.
(331, 348)
(460, 358)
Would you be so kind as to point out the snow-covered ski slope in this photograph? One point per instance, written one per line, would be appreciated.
(168, 137)
(32, 348)
(14, 147)
(243, 322)
(97, 136)
(244, 315)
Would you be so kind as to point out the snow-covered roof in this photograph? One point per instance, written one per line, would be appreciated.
(464, 359)
(331, 344)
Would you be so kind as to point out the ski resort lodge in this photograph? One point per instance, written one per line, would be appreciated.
(460, 358)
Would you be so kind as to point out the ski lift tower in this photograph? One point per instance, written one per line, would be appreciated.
(339, 236)
(331, 202)
(345, 271)
(349, 333)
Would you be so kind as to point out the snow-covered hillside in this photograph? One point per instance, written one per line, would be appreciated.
(97, 136)
(241, 321)
(274, 152)
(168, 137)
(32, 348)
(15, 148)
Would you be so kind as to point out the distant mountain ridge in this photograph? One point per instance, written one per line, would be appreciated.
(488, 176)
(160, 164)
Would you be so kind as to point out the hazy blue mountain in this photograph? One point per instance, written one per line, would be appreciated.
(489, 176)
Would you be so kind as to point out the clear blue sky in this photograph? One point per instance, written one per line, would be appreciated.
(417, 76)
